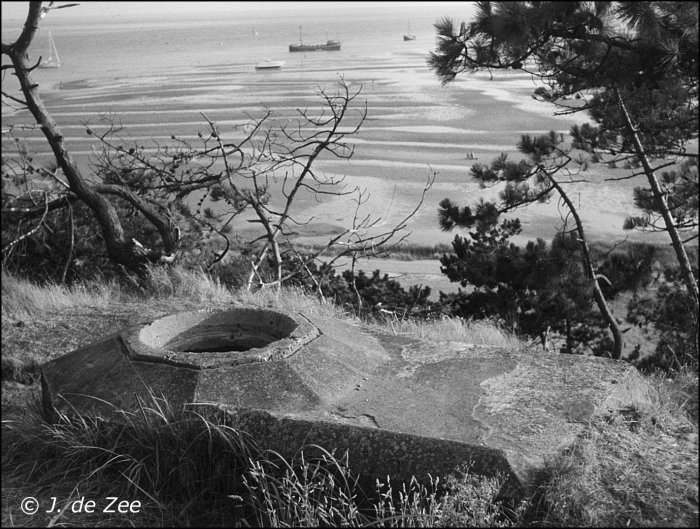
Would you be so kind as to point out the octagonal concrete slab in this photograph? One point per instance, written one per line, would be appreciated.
(400, 406)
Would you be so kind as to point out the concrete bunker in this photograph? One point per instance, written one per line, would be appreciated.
(399, 405)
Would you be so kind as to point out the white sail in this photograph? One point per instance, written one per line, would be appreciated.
(53, 60)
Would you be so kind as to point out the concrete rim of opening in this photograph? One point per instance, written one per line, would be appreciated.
(209, 338)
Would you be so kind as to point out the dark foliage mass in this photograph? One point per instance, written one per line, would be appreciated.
(669, 309)
(533, 290)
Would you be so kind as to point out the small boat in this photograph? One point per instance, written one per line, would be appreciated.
(330, 45)
(408, 35)
(267, 64)
(53, 61)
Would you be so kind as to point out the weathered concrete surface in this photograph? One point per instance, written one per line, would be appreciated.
(401, 406)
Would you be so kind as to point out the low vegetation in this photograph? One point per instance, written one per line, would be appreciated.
(636, 467)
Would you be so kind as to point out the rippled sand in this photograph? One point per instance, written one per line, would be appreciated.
(414, 128)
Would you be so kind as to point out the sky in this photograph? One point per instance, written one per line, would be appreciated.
(18, 10)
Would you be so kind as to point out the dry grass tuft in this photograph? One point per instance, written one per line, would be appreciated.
(177, 282)
(294, 300)
(22, 298)
(457, 330)
(634, 468)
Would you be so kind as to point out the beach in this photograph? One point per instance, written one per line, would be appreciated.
(414, 126)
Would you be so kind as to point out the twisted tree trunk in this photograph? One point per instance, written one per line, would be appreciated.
(120, 248)
(682, 256)
(597, 292)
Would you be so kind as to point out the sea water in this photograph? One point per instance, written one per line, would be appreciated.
(135, 45)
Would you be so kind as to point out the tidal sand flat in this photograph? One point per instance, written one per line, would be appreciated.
(414, 127)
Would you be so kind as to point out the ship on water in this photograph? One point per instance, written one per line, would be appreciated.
(330, 45)
(267, 64)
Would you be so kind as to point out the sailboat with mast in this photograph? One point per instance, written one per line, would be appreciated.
(53, 60)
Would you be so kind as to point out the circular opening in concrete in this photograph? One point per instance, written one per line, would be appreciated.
(231, 331)
(210, 338)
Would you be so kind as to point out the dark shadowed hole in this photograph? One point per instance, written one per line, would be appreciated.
(222, 344)
(236, 331)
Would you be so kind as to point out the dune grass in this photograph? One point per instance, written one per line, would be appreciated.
(634, 467)
(21, 298)
(24, 298)
(456, 330)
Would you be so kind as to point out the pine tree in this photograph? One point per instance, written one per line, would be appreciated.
(631, 65)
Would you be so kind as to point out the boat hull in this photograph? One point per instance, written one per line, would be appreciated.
(331, 45)
(267, 64)
(300, 47)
